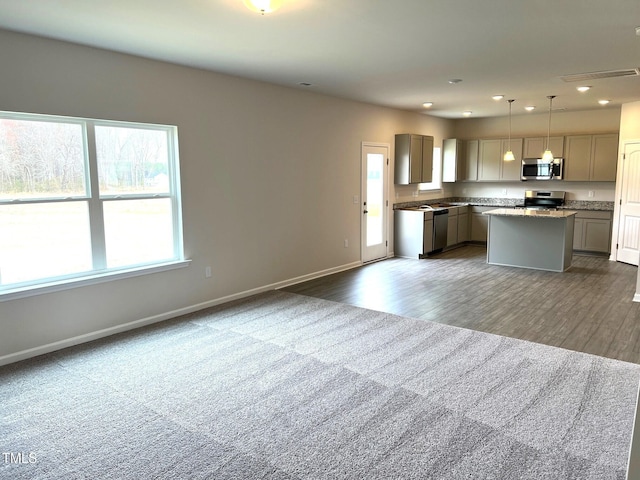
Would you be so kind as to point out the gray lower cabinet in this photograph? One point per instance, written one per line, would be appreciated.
(413, 233)
(463, 224)
(592, 231)
(452, 227)
(479, 224)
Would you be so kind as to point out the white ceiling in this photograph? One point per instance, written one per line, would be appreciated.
(394, 53)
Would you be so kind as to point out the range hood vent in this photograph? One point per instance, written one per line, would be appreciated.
(583, 77)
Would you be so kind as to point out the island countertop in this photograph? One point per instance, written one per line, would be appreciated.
(522, 212)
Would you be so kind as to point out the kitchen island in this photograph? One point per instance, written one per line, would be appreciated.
(537, 239)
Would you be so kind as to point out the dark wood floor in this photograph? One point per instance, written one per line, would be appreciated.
(589, 308)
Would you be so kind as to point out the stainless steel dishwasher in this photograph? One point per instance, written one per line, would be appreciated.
(440, 225)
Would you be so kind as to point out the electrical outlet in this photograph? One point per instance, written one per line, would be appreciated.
(504, 191)
(207, 272)
(346, 243)
(591, 194)
(356, 200)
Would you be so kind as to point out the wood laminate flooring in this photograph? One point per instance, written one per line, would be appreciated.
(588, 308)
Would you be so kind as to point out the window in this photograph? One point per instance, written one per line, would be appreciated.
(83, 197)
(436, 183)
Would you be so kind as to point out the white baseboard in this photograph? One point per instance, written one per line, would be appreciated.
(88, 337)
(636, 297)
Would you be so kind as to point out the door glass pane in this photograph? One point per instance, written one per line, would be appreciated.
(375, 163)
(41, 159)
(43, 240)
(132, 160)
(138, 231)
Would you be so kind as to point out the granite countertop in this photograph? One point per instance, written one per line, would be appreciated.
(521, 212)
(506, 203)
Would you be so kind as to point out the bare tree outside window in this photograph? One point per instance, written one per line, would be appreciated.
(53, 226)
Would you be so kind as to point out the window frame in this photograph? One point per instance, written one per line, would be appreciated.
(95, 205)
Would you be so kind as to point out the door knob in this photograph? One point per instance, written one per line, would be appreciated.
(365, 211)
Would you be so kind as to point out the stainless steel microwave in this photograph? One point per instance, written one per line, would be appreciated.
(539, 169)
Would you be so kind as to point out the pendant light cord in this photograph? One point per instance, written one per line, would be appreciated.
(550, 97)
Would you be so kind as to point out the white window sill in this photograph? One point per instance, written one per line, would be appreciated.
(91, 279)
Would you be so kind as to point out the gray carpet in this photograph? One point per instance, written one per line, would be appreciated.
(283, 386)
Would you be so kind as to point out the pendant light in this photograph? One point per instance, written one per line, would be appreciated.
(547, 156)
(509, 157)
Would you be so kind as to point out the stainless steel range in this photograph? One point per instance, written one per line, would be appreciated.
(543, 199)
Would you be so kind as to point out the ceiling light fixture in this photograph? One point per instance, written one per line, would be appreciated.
(508, 156)
(498, 97)
(603, 102)
(583, 89)
(262, 6)
(427, 104)
(530, 108)
(467, 113)
(547, 156)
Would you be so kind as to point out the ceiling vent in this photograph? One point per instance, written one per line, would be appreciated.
(583, 77)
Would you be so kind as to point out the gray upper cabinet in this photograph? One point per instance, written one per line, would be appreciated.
(591, 157)
(534, 147)
(452, 160)
(470, 163)
(413, 159)
(492, 167)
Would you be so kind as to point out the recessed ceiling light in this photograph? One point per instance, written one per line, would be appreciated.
(455, 81)
(467, 113)
(530, 108)
(262, 6)
(498, 97)
(583, 88)
(603, 102)
(427, 104)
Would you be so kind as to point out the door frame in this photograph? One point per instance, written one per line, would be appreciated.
(615, 227)
(363, 183)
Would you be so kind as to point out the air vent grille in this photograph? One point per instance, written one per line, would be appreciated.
(583, 77)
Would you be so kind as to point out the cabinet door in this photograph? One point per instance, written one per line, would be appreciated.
(604, 154)
(596, 235)
(479, 227)
(577, 163)
(577, 234)
(534, 147)
(489, 160)
(415, 159)
(452, 230)
(451, 160)
(511, 170)
(471, 160)
(463, 227)
(427, 239)
(426, 166)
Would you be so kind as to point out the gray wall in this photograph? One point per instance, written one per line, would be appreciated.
(268, 179)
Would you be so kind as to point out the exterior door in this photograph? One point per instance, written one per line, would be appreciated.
(375, 168)
(629, 217)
